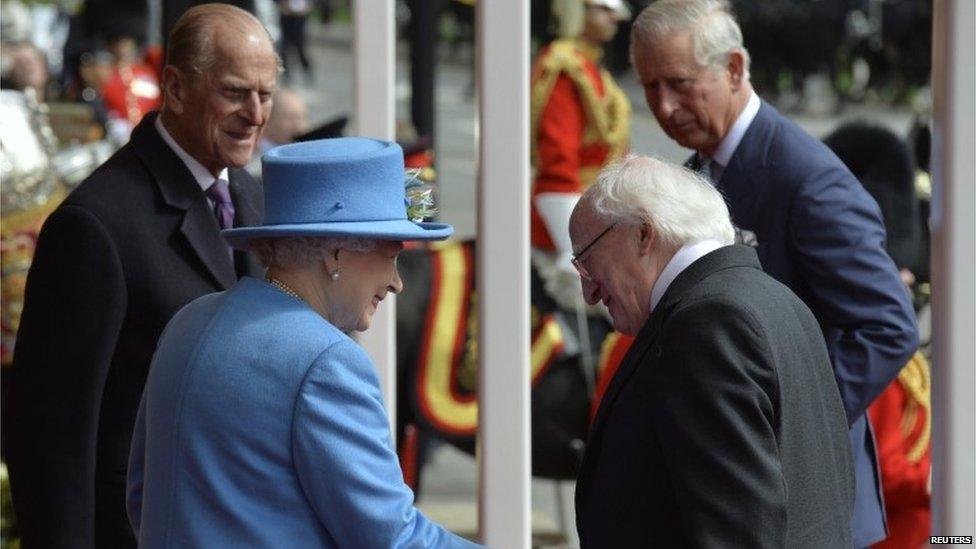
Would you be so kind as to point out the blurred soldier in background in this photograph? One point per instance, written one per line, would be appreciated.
(293, 15)
(902, 415)
(580, 121)
(132, 88)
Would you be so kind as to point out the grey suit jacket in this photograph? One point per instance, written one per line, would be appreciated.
(723, 426)
(129, 247)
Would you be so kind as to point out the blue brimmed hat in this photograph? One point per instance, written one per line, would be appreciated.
(349, 186)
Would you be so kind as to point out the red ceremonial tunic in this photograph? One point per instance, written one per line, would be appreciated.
(131, 92)
(902, 424)
(580, 121)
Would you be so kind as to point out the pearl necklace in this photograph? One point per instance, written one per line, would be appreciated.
(283, 287)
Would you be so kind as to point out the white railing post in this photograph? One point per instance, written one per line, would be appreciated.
(953, 264)
(504, 458)
(374, 52)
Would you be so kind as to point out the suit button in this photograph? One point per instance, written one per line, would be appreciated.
(657, 351)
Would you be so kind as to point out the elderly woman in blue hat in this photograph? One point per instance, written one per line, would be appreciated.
(262, 423)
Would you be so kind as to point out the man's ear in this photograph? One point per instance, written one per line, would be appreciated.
(736, 66)
(647, 238)
(174, 89)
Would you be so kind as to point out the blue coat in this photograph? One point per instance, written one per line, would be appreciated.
(821, 234)
(262, 425)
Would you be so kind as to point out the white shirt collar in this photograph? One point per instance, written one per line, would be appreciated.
(201, 174)
(685, 256)
(723, 154)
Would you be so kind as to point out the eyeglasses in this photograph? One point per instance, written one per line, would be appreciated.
(578, 258)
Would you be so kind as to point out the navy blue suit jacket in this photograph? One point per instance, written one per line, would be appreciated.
(820, 233)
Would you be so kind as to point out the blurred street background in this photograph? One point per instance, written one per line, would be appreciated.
(821, 62)
(330, 95)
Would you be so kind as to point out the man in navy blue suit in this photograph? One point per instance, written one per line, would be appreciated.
(814, 226)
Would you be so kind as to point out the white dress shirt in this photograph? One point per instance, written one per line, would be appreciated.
(203, 176)
(723, 154)
(685, 256)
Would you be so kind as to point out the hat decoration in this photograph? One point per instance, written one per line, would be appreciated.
(344, 187)
(419, 198)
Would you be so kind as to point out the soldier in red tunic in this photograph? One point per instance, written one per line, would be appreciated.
(902, 421)
(132, 88)
(580, 122)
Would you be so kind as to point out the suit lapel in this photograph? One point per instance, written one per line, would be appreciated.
(201, 230)
(751, 157)
(627, 367)
(245, 192)
(722, 258)
(645, 338)
(179, 189)
(248, 208)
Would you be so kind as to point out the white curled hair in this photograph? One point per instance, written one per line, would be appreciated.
(296, 251)
(714, 31)
(680, 205)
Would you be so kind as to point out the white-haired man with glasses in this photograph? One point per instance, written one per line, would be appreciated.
(723, 426)
(814, 226)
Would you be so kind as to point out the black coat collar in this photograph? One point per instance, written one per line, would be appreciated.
(717, 260)
(179, 189)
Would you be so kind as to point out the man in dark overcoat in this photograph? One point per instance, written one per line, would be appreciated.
(723, 426)
(128, 248)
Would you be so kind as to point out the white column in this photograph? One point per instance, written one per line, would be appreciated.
(375, 66)
(953, 265)
(502, 72)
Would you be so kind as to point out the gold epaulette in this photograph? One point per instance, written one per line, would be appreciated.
(608, 117)
(915, 378)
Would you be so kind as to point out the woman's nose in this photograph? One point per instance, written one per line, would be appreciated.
(397, 285)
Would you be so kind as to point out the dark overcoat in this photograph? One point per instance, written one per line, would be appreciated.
(723, 426)
(133, 244)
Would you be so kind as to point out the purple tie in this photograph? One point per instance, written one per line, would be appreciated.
(219, 193)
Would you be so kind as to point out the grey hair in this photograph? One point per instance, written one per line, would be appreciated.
(190, 45)
(680, 205)
(296, 251)
(714, 31)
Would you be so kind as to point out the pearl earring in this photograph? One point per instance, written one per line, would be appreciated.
(334, 275)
